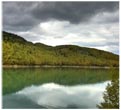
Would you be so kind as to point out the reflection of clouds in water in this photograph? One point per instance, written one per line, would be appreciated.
(52, 95)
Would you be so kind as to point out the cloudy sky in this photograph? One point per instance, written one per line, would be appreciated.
(87, 24)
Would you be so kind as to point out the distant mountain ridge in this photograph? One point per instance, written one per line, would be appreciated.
(18, 51)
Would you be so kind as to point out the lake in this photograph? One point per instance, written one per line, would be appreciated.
(54, 87)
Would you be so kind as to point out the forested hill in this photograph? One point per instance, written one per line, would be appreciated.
(18, 51)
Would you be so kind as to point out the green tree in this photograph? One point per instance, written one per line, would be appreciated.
(111, 96)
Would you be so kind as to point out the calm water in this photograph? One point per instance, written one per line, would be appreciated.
(55, 87)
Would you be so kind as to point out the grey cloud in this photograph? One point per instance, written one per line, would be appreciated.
(101, 44)
(17, 16)
(111, 46)
(114, 49)
(72, 11)
(25, 15)
(93, 20)
(29, 36)
(106, 18)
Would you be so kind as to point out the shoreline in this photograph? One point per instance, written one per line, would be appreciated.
(55, 66)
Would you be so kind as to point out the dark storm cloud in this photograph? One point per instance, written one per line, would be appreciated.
(73, 11)
(90, 24)
(25, 15)
(17, 16)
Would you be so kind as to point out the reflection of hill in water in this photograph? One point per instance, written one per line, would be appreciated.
(16, 79)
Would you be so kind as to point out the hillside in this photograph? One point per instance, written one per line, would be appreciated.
(18, 51)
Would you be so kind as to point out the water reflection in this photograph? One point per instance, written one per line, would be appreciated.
(51, 95)
(17, 79)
